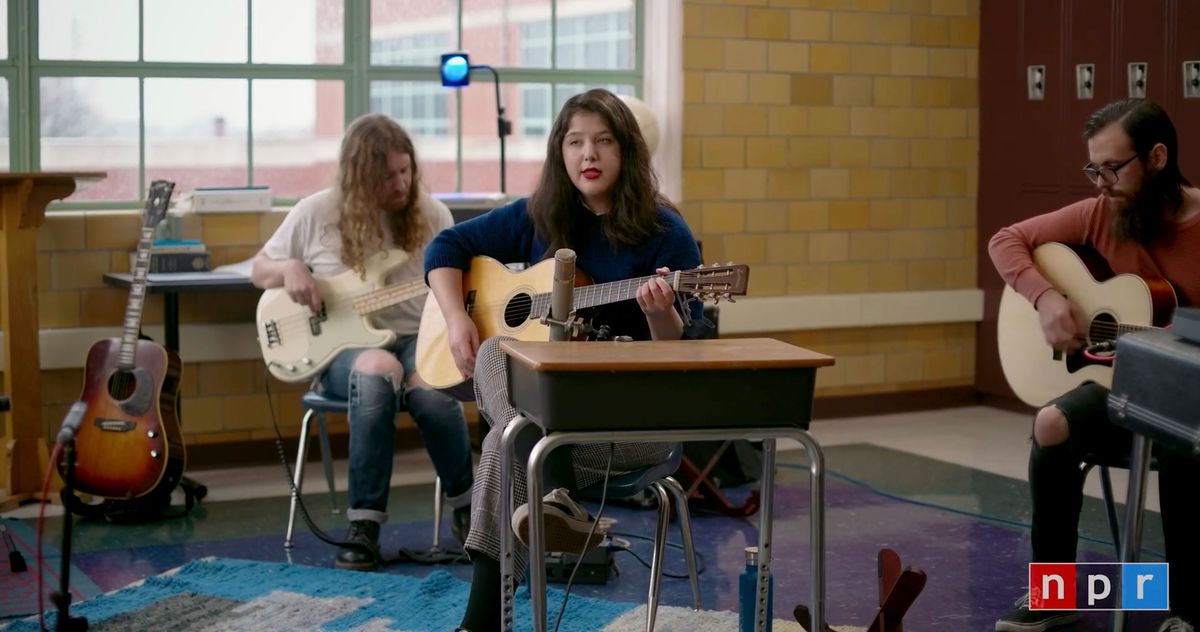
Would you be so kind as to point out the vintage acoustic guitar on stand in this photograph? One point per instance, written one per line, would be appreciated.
(502, 302)
(130, 447)
(1109, 306)
(298, 344)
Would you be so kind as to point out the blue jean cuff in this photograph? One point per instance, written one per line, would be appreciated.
(371, 515)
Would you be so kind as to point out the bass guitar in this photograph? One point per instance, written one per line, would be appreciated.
(503, 302)
(298, 344)
(129, 445)
(1107, 307)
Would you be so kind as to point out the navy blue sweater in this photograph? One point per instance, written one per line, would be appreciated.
(507, 234)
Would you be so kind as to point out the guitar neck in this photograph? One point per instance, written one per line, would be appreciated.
(601, 293)
(388, 296)
(137, 300)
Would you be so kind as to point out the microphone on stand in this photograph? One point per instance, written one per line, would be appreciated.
(71, 422)
(562, 294)
(62, 597)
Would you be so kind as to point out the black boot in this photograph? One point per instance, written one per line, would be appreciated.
(460, 523)
(364, 557)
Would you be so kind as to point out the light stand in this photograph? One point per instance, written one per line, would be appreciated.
(456, 72)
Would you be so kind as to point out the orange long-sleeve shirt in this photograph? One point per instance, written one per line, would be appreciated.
(1175, 258)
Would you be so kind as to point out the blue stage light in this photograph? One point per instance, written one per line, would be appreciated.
(456, 70)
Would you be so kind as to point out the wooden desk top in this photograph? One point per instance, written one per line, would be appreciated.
(665, 355)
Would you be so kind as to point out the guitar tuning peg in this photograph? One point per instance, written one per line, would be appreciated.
(729, 263)
(700, 266)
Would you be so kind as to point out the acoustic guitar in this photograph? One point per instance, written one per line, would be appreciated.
(130, 445)
(298, 344)
(503, 302)
(1108, 306)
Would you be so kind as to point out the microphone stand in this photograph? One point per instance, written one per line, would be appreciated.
(62, 597)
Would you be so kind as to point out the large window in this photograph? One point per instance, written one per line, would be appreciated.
(258, 92)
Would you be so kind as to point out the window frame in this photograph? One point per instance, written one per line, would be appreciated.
(24, 70)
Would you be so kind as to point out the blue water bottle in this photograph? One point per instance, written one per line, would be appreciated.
(748, 595)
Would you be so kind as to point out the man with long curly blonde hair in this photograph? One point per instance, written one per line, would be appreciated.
(376, 204)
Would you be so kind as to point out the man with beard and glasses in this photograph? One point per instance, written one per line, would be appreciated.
(1145, 221)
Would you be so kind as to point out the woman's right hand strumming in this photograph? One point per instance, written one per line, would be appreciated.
(463, 336)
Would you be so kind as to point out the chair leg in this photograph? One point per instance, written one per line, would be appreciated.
(437, 512)
(1111, 506)
(297, 478)
(327, 458)
(660, 547)
(685, 530)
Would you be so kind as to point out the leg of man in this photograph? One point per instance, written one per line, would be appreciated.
(443, 428)
(370, 380)
(1069, 428)
(1178, 478)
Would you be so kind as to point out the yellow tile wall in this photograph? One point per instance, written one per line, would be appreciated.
(862, 180)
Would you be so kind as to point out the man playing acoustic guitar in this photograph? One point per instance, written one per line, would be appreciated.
(1145, 221)
(376, 204)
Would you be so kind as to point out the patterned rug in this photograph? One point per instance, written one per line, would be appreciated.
(18, 591)
(225, 594)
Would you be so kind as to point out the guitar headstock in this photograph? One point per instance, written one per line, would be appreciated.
(716, 281)
(157, 199)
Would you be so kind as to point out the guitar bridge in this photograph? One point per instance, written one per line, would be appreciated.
(114, 425)
(272, 331)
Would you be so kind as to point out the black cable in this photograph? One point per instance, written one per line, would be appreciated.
(595, 524)
(700, 563)
(962, 512)
(312, 526)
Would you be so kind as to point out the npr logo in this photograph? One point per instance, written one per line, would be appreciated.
(1098, 586)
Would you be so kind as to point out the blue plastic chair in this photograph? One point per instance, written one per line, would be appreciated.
(316, 405)
(659, 480)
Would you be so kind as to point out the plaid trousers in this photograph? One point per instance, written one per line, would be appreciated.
(588, 460)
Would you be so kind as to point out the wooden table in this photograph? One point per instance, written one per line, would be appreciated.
(23, 199)
(582, 392)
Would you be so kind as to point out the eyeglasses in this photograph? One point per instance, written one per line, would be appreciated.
(1107, 175)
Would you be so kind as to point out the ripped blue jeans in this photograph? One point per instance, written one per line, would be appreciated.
(374, 402)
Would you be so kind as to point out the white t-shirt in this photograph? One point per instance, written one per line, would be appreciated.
(310, 233)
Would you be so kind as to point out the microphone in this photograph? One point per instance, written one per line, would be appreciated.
(71, 422)
(562, 294)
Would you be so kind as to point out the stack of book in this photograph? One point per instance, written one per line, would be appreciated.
(175, 255)
(225, 200)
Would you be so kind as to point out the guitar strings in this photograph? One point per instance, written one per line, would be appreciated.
(288, 322)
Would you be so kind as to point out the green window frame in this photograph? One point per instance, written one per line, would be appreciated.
(23, 71)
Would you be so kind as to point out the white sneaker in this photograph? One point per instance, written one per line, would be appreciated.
(567, 525)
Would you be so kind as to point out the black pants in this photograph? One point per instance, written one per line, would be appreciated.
(1056, 485)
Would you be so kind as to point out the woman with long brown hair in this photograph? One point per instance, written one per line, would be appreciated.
(377, 204)
(598, 195)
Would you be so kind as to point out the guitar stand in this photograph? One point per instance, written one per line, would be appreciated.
(898, 589)
(710, 497)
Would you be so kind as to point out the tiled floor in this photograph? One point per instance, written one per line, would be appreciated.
(944, 488)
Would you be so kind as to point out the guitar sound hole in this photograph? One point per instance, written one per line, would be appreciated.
(121, 385)
(518, 309)
(1103, 328)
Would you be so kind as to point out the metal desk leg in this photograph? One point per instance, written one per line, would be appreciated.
(1135, 497)
(816, 472)
(508, 584)
(537, 542)
(767, 499)
(171, 320)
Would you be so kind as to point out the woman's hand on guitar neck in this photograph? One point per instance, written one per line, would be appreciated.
(1058, 321)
